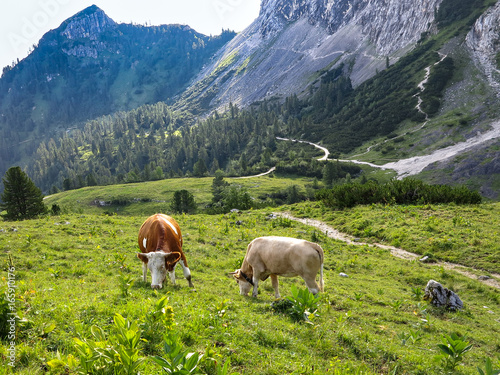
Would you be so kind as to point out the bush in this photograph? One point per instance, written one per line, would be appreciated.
(4, 314)
(406, 191)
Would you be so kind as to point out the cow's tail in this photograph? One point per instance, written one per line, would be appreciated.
(322, 259)
(321, 282)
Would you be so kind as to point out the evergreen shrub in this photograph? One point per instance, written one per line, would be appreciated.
(406, 191)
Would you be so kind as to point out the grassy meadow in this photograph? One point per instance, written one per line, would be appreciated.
(75, 271)
(465, 234)
(146, 198)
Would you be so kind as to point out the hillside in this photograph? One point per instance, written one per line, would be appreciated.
(373, 321)
(91, 66)
(432, 92)
(283, 50)
(449, 232)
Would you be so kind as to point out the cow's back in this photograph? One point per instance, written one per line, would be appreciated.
(281, 255)
(160, 232)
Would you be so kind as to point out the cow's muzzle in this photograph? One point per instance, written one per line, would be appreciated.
(158, 286)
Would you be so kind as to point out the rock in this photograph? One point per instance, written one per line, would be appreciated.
(484, 277)
(427, 259)
(342, 274)
(441, 297)
(291, 40)
(482, 40)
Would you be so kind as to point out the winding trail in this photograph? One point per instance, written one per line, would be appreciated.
(405, 167)
(414, 165)
(323, 158)
(397, 252)
(256, 175)
(324, 149)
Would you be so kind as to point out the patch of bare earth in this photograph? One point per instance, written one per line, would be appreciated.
(331, 232)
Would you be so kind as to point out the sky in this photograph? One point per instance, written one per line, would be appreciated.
(24, 22)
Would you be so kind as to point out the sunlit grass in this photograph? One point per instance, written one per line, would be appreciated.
(68, 270)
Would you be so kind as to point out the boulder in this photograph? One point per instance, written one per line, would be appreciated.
(442, 297)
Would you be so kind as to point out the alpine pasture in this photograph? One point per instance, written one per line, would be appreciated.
(75, 272)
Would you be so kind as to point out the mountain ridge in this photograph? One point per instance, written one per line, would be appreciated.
(283, 49)
(301, 71)
(91, 66)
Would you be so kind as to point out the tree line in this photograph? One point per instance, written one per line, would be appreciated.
(154, 142)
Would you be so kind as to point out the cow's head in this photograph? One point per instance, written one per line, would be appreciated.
(159, 263)
(244, 281)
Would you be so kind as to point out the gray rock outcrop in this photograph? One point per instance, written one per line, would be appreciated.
(87, 27)
(291, 40)
(484, 42)
(440, 296)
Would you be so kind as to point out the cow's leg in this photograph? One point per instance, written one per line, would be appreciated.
(274, 280)
(255, 287)
(187, 273)
(172, 275)
(145, 272)
(255, 280)
(311, 284)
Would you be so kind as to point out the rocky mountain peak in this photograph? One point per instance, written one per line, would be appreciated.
(82, 34)
(391, 24)
(88, 24)
(274, 14)
(292, 40)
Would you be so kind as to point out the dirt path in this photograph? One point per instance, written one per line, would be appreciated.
(416, 164)
(324, 149)
(397, 252)
(257, 175)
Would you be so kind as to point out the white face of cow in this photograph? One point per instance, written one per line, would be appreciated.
(156, 263)
(244, 285)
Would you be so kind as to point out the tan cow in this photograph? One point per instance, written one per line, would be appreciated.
(280, 256)
(160, 242)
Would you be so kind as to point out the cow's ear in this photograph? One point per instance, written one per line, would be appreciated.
(142, 257)
(236, 274)
(172, 257)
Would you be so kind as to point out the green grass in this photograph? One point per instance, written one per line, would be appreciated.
(467, 235)
(67, 270)
(150, 197)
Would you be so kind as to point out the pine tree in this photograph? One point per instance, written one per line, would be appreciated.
(329, 174)
(200, 168)
(218, 186)
(21, 198)
(183, 202)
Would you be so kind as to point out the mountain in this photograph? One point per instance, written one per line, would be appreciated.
(407, 86)
(283, 50)
(92, 66)
(357, 67)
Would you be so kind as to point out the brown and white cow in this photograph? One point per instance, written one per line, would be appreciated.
(280, 256)
(160, 242)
